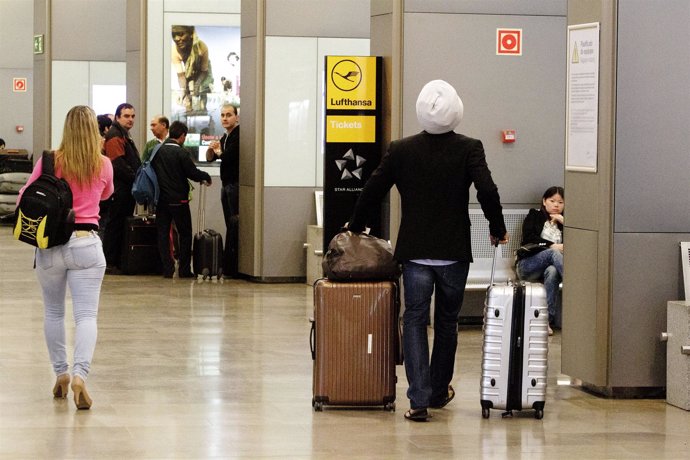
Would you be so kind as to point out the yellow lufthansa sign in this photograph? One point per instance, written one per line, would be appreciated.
(351, 82)
(343, 128)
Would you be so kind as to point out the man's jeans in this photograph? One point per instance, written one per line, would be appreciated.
(547, 266)
(429, 382)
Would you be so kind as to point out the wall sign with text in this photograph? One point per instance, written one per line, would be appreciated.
(582, 101)
(352, 134)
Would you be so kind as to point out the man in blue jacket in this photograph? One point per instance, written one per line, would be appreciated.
(433, 171)
(173, 166)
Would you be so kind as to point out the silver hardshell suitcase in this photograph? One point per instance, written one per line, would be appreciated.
(515, 349)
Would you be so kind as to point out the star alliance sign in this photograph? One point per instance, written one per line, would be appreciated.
(342, 165)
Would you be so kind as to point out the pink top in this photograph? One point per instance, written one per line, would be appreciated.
(85, 200)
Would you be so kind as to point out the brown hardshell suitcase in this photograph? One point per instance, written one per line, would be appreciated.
(355, 343)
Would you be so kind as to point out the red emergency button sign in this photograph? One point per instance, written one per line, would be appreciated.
(19, 85)
(509, 41)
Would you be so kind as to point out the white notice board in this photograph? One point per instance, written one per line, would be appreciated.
(582, 115)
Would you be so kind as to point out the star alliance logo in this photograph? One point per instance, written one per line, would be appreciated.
(349, 158)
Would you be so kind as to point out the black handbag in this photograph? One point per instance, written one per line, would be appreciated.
(353, 256)
(530, 249)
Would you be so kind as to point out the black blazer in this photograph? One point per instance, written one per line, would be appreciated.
(433, 174)
(173, 166)
(230, 161)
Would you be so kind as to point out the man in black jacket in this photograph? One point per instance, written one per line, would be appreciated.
(120, 148)
(433, 171)
(173, 166)
(228, 151)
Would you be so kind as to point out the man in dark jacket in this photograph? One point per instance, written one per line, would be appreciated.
(173, 166)
(433, 171)
(120, 148)
(228, 151)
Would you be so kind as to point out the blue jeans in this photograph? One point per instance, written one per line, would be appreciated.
(79, 264)
(429, 381)
(547, 266)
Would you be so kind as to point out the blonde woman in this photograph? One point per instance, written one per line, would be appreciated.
(79, 263)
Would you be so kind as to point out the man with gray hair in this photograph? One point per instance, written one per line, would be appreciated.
(159, 127)
(433, 171)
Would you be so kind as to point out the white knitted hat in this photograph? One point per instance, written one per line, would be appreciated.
(439, 108)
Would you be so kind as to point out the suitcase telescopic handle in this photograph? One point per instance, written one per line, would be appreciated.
(201, 216)
(493, 264)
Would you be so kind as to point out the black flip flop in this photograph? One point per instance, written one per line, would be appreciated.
(449, 398)
(417, 415)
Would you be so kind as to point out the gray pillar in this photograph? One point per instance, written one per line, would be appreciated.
(42, 78)
(625, 221)
(136, 68)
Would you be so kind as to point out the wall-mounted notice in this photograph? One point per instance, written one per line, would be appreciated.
(582, 116)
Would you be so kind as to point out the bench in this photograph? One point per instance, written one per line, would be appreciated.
(483, 252)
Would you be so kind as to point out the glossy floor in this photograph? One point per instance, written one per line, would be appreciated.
(193, 369)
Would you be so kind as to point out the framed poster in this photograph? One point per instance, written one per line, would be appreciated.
(582, 102)
(204, 61)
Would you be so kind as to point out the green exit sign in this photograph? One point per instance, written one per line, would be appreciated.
(38, 44)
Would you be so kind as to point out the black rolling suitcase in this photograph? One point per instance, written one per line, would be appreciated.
(140, 249)
(515, 348)
(207, 246)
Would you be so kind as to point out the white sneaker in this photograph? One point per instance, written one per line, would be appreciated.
(550, 330)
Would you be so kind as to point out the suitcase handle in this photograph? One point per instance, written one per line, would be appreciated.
(201, 216)
(399, 355)
(312, 337)
(493, 265)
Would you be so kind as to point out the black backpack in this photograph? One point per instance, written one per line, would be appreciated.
(45, 217)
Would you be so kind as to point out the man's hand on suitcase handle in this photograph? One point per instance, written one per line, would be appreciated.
(495, 241)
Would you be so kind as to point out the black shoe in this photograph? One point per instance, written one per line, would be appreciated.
(446, 400)
(168, 274)
(186, 275)
(417, 415)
